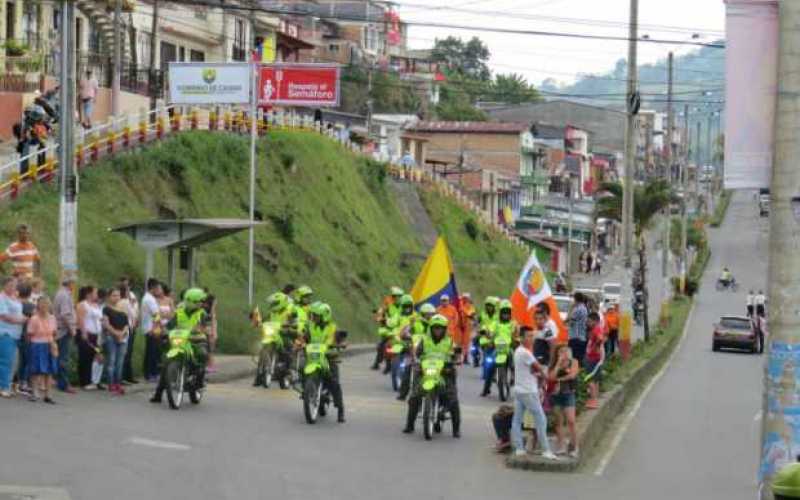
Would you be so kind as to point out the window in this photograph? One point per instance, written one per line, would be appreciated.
(143, 48)
(238, 52)
(30, 26)
(56, 19)
(201, 13)
(333, 48)
(197, 56)
(182, 54)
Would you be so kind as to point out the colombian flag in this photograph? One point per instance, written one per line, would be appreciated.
(436, 278)
(532, 288)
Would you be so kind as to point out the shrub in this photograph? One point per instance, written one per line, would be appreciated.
(284, 223)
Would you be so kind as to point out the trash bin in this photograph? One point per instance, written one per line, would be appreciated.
(786, 483)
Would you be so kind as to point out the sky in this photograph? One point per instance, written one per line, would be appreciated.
(564, 59)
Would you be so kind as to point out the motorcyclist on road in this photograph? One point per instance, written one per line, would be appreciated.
(420, 329)
(437, 343)
(190, 315)
(301, 298)
(322, 330)
(726, 277)
(506, 327)
(279, 310)
(390, 309)
(487, 321)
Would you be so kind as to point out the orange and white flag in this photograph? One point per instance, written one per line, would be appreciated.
(532, 288)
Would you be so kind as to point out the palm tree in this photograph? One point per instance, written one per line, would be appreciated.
(648, 200)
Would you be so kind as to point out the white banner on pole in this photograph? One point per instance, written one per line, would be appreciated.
(751, 84)
(209, 83)
(68, 246)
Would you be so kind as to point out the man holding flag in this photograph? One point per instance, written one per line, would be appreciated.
(532, 289)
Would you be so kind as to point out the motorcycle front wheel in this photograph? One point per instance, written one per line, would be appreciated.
(176, 380)
(312, 392)
(430, 412)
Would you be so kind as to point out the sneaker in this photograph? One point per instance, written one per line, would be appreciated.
(549, 455)
(49, 401)
(520, 453)
(502, 446)
(5, 394)
(573, 453)
(101, 387)
(90, 387)
(24, 389)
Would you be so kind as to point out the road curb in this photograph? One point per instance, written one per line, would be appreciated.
(593, 425)
(245, 368)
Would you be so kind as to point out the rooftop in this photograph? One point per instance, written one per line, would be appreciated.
(472, 127)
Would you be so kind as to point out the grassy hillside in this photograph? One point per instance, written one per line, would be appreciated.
(329, 221)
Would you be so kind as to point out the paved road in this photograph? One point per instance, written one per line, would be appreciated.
(694, 437)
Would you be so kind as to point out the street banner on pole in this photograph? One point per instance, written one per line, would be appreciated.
(298, 85)
(209, 83)
(751, 85)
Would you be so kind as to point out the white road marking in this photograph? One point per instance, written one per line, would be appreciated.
(628, 418)
(165, 445)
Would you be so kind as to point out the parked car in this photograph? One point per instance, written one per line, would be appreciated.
(595, 294)
(612, 292)
(735, 332)
(563, 302)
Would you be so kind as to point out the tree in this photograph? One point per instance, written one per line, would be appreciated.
(468, 59)
(514, 89)
(648, 201)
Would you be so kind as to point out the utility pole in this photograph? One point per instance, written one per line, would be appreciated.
(630, 135)
(115, 80)
(253, 137)
(780, 389)
(153, 46)
(569, 230)
(668, 178)
(370, 102)
(684, 204)
(68, 205)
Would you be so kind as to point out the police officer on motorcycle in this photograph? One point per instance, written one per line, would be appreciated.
(487, 321)
(322, 330)
(420, 329)
(279, 310)
(437, 343)
(192, 316)
(383, 316)
(506, 326)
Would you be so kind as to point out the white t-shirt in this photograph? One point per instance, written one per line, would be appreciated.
(149, 310)
(760, 299)
(524, 380)
(750, 299)
(92, 318)
(549, 332)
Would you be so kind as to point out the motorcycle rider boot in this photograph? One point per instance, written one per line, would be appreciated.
(455, 417)
(487, 388)
(340, 416)
(411, 417)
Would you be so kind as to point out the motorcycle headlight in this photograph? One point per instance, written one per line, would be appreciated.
(177, 342)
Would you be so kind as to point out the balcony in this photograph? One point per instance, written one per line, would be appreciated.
(533, 211)
(538, 178)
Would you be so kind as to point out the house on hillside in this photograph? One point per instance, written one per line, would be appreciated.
(486, 159)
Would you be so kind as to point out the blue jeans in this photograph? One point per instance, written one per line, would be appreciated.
(115, 358)
(530, 402)
(8, 355)
(62, 378)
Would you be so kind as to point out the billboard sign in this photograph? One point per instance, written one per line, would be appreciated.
(298, 85)
(209, 83)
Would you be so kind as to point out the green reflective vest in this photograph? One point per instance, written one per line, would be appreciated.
(487, 322)
(437, 350)
(186, 321)
(325, 334)
(506, 329)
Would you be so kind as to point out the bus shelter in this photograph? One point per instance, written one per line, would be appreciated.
(182, 235)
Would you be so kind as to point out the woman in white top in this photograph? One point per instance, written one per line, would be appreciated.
(90, 327)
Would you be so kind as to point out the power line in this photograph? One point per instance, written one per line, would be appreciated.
(509, 31)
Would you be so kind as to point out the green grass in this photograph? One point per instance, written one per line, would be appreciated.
(329, 221)
(722, 208)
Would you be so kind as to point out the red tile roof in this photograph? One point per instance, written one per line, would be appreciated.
(472, 127)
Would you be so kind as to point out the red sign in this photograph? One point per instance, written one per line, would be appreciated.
(298, 85)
